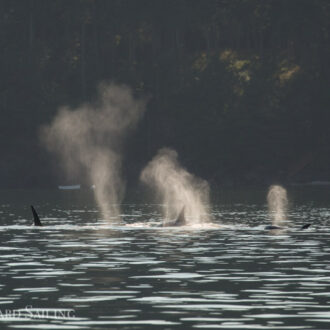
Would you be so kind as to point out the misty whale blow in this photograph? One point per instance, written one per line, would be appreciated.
(277, 201)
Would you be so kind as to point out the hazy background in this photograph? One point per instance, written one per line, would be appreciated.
(239, 88)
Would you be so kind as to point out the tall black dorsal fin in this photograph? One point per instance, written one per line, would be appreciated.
(36, 218)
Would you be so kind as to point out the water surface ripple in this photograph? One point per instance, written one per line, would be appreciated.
(139, 276)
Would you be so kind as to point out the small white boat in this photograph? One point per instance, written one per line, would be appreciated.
(319, 183)
(73, 187)
(312, 183)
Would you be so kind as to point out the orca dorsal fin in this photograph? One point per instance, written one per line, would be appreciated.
(181, 219)
(305, 226)
(36, 219)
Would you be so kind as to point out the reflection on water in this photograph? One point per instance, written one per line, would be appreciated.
(230, 275)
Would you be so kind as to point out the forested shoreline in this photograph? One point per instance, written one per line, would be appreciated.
(240, 88)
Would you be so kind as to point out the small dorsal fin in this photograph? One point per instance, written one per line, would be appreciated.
(36, 218)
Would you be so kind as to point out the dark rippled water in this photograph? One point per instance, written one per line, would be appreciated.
(229, 275)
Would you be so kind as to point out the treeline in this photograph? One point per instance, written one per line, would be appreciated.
(239, 87)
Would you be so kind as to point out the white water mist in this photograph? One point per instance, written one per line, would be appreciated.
(89, 142)
(277, 204)
(176, 188)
